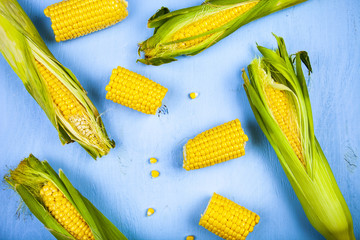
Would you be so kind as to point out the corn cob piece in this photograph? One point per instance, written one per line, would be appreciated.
(65, 213)
(53, 86)
(277, 92)
(57, 204)
(74, 18)
(227, 219)
(216, 145)
(135, 91)
(191, 30)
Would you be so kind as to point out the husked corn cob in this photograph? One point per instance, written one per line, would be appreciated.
(216, 145)
(67, 104)
(57, 204)
(75, 18)
(228, 219)
(283, 109)
(64, 212)
(135, 91)
(206, 24)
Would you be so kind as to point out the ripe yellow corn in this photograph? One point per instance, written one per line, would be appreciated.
(150, 212)
(67, 104)
(74, 18)
(216, 145)
(283, 109)
(211, 22)
(228, 219)
(190, 238)
(64, 212)
(135, 91)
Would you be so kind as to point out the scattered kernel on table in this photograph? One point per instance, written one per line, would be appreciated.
(150, 211)
(155, 173)
(190, 238)
(193, 95)
(153, 160)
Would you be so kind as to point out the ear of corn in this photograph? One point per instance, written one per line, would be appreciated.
(216, 145)
(57, 204)
(280, 101)
(52, 85)
(135, 91)
(191, 30)
(227, 219)
(74, 18)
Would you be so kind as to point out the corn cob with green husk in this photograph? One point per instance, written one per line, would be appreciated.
(279, 98)
(57, 204)
(53, 86)
(191, 30)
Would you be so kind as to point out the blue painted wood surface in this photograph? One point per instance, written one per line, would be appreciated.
(119, 184)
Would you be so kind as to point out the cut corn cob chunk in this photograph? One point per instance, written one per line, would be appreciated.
(227, 219)
(74, 18)
(208, 23)
(135, 91)
(283, 109)
(64, 212)
(216, 145)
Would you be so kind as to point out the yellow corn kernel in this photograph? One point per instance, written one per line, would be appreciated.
(69, 107)
(190, 238)
(74, 18)
(216, 145)
(135, 91)
(193, 95)
(284, 112)
(208, 23)
(64, 212)
(228, 219)
(155, 173)
(150, 212)
(153, 160)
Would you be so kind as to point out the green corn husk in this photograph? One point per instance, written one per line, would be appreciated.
(31, 175)
(21, 44)
(313, 183)
(161, 48)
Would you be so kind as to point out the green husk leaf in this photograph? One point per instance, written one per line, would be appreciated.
(27, 180)
(160, 46)
(315, 185)
(21, 45)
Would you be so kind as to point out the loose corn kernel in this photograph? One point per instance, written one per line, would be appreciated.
(193, 95)
(216, 145)
(67, 104)
(155, 173)
(150, 211)
(228, 219)
(153, 160)
(74, 18)
(64, 212)
(284, 112)
(190, 238)
(135, 91)
(208, 23)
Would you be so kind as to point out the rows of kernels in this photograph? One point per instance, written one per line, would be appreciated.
(64, 212)
(135, 91)
(216, 145)
(68, 105)
(75, 18)
(228, 219)
(284, 113)
(209, 23)
(61, 96)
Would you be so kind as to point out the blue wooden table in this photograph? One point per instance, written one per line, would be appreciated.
(120, 184)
